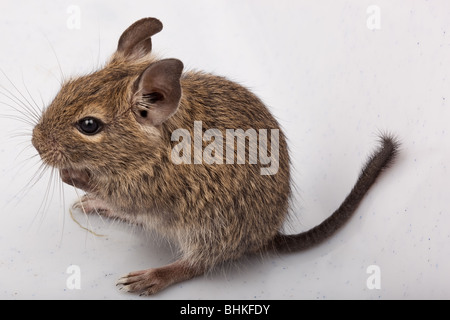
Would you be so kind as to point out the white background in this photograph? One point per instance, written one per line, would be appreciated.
(333, 84)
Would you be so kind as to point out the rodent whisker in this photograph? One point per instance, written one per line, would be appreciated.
(63, 201)
(38, 110)
(23, 137)
(24, 104)
(37, 176)
(26, 160)
(61, 81)
(21, 118)
(41, 211)
(21, 134)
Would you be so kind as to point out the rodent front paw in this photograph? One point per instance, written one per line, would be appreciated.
(89, 205)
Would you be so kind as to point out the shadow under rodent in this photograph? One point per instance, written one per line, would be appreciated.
(110, 134)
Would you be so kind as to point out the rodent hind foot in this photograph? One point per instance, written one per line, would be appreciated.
(151, 281)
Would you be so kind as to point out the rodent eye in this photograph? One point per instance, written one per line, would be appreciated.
(89, 126)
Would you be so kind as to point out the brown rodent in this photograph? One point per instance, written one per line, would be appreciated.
(110, 133)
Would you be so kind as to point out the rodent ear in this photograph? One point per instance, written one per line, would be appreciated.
(158, 92)
(135, 41)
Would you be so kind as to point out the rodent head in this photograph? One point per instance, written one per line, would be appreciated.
(95, 120)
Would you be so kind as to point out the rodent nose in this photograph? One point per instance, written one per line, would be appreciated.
(36, 139)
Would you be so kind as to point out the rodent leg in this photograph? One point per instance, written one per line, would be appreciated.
(151, 281)
(91, 205)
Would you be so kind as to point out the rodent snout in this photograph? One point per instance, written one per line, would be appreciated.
(47, 147)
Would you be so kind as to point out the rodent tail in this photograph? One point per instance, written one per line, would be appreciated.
(378, 162)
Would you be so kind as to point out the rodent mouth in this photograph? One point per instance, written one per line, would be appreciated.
(53, 158)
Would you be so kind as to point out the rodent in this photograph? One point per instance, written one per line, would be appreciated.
(110, 134)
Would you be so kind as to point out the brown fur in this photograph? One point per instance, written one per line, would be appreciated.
(215, 213)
